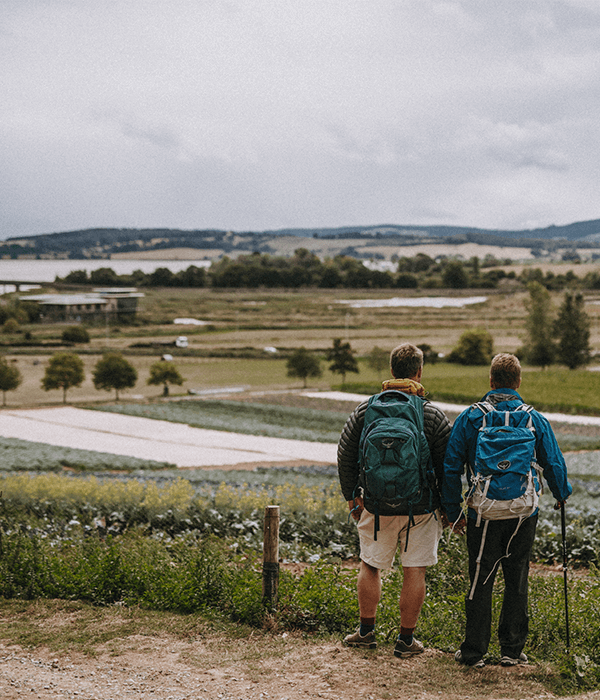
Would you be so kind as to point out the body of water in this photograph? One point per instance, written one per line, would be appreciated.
(435, 302)
(48, 270)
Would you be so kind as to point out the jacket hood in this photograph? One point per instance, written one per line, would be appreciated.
(501, 400)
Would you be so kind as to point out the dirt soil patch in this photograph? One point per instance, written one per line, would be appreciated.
(256, 668)
(51, 649)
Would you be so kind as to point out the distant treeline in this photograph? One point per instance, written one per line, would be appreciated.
(95, 243)
(304, 269)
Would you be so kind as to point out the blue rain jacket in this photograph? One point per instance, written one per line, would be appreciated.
(461, 452)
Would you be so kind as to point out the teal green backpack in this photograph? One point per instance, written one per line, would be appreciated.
(394, 457)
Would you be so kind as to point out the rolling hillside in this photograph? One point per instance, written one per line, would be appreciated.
(357, 241)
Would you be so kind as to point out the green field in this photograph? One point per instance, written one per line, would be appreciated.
(230, 351)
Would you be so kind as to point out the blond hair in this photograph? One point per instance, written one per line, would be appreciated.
(505, 371)
(405, 361)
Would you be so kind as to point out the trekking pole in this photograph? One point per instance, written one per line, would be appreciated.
(563, 527)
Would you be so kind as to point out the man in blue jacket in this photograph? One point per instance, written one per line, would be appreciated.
(506, 542)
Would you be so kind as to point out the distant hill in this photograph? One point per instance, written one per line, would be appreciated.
(105, 242)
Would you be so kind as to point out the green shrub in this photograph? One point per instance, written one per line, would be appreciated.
(75, 334)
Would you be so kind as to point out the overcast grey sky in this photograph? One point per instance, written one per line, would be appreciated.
(263, 114)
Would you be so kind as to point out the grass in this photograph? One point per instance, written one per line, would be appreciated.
(205, 579)
(193, 550)
(244, 322)
(555, 389)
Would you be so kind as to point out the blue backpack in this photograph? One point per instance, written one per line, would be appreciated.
(504, 479)
(394, 457)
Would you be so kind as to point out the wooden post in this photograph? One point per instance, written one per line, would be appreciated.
(271, 556)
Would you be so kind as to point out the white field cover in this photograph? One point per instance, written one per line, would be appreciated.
(178, 443)
(157, 440)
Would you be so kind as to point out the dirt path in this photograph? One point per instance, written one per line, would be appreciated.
(283, 669)
(54, 650)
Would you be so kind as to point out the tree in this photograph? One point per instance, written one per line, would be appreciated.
(75, 334)
(455, 276)
(303, 364)
(64, 370)
(11, 325)
(113, 371)
(161, 277)
(10, 378)
(342, 359)
(430, 356)
(475, 347)
(104, 277)
(539, 347)
(165, 373)
(572, 328)
(378, 359)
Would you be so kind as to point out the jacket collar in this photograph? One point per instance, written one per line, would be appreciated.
(498, 396)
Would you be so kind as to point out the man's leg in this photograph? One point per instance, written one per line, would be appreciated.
(369, 591)
(412, 595)
(380, 553)
(418, 547)
(514, 617)
(478, 609)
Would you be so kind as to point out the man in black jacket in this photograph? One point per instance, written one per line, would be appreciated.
(406, 364)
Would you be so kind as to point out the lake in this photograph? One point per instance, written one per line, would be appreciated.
(432, 302)
(48, 270)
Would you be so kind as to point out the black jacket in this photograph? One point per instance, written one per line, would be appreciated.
(437, 431)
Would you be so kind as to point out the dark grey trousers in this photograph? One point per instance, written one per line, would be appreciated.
(514, 616)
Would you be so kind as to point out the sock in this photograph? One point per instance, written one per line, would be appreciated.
(367, 624)
(406, 635)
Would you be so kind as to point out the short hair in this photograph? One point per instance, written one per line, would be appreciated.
(505, 371)
(405, 361)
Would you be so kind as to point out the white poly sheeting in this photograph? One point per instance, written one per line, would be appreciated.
(158, 440)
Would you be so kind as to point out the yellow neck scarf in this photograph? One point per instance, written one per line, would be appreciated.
(408, 386)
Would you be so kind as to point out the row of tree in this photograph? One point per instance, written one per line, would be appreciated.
(305, 269)
(563, 337)
(552, 336)
(65, 370)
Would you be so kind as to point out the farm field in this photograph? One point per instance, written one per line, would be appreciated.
(230, 349)
(157, 624)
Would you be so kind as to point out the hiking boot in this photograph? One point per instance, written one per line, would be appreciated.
(366, 642)
(403, 650)
(510, 661)
(458, 657)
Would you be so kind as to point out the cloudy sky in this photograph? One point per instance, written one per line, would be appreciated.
(265, 114)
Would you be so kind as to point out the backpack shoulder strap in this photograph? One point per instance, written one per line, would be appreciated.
(485, 407)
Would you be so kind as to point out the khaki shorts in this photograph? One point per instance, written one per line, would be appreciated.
(423, 539)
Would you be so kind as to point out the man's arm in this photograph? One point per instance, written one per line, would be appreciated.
(550, 458)
(347, 453)
(437, 430)
(457, 452)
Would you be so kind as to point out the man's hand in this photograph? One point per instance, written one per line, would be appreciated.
(356, 506)
(558, 504)
(444, 518)
(460, 525)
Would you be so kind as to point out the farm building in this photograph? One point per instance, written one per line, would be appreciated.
(118, 302)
